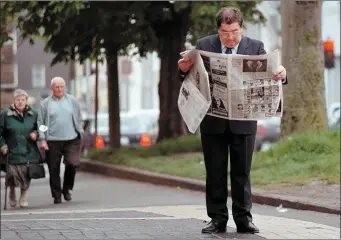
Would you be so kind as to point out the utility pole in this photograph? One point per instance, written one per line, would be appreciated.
(88, 85)
(96, 96)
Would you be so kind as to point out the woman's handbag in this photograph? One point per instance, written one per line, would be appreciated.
(36, 170)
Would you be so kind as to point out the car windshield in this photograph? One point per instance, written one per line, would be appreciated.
(102, 124)
(129, 124)
(138, 124)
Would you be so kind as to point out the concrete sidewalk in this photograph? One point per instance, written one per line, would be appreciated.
(110, 208)
(152, 222)
(258, 196)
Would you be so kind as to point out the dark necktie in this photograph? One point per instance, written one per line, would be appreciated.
(228, 50)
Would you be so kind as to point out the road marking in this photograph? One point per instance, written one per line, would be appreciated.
(87, 218)
(100, 210)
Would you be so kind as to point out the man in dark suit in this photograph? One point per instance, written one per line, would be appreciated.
(222, 137)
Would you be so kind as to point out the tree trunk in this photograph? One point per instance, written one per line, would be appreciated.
(302, 56)
(171, 124)
(113, 100)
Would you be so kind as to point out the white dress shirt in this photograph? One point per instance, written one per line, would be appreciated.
(234, 50)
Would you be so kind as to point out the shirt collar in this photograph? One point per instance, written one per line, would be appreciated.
(223, 48)
(58, 99)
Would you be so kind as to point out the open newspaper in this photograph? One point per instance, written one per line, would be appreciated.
(230, 86)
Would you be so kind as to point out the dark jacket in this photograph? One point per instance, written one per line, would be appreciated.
(214, 125)
(15, 133)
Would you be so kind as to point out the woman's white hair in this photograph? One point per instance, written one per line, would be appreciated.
(19, 93)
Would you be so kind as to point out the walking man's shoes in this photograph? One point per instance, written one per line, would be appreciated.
(67, 195)
(247, 228)
(57, 200)
(215, 227)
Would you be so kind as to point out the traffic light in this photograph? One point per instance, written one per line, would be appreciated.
(329, 56)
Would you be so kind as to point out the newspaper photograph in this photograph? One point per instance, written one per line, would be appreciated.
(238, 87)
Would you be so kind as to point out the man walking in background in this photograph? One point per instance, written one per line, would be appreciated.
(61, 113)
(222, 137)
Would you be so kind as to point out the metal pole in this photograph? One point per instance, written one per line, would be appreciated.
(88, 86)
(96, 97)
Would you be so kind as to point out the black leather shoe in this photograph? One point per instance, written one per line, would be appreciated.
(67, 195)
(57, 200)
(247, 228)
(215, 227)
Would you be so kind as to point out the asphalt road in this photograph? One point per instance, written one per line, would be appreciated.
(109, 208)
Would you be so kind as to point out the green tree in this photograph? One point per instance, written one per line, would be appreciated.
(302, 55)
(5, 20)
(80, 30)
(172, 24)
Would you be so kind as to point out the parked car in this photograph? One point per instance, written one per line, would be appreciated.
(138, 128)
(268, 133)
(102, 139)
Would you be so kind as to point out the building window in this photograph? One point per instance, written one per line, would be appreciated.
(38, 76)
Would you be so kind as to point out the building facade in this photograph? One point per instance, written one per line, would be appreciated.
(9, 69)
(34, 70)
(28, 67)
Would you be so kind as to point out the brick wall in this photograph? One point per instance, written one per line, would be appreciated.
(7, 73)
(6, 98)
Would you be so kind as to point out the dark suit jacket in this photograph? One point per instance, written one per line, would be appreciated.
(213, 125)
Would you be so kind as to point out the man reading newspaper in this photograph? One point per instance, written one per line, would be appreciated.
(221, 136)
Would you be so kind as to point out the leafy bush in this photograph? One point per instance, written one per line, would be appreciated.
(164, 148)
(303, 156)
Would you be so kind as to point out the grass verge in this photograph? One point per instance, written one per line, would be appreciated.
(304, 157)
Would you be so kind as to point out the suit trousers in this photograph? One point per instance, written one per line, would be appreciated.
(71, 151)
(216, 150)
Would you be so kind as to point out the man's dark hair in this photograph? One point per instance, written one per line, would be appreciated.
(229, 15)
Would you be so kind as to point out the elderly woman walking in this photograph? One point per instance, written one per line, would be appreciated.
(19, 133)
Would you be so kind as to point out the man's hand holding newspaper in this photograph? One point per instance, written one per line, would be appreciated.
(235, 87)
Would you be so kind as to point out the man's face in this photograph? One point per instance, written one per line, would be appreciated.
(58, 89)
(230, 34)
